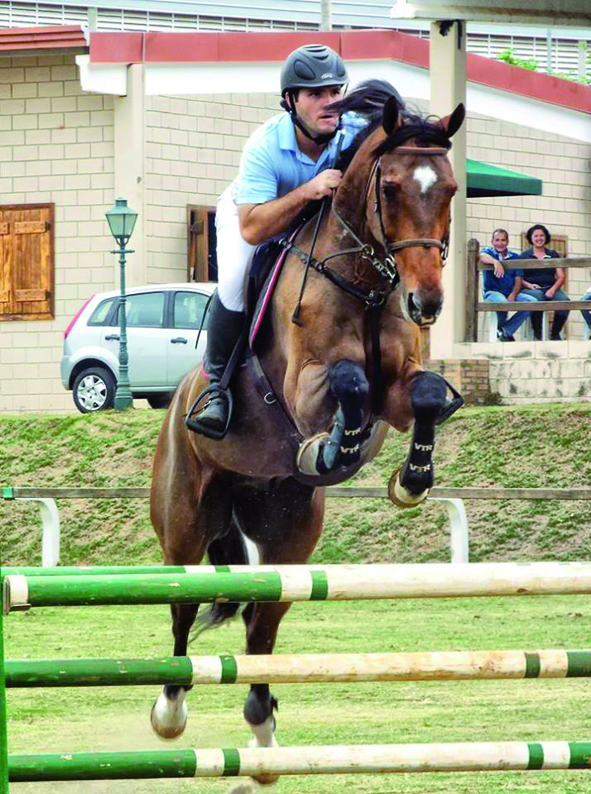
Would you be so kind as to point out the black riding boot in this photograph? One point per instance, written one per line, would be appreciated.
(223, 332)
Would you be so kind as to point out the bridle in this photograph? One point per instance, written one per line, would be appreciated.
(388, 267)
(385, 266)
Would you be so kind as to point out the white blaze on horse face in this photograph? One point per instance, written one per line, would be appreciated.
(426, 176)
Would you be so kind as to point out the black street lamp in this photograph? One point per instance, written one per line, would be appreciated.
(121, 219)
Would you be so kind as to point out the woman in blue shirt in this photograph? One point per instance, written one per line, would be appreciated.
(544, 284)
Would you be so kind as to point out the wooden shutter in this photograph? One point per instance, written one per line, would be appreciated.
(26, 262)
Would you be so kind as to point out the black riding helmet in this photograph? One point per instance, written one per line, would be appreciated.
(310, 66)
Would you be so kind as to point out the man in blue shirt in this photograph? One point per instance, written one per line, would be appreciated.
(500, 285)
(287, 163)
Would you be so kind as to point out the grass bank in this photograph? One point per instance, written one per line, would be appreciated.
(535, 447)
(538, 446)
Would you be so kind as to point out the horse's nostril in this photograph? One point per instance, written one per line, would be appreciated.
(420, 310)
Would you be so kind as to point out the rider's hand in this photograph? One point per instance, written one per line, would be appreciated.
(323, 184)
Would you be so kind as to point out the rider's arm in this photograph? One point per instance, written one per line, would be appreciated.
(259, 222)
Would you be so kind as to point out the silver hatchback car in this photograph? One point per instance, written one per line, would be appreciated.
(163, 323)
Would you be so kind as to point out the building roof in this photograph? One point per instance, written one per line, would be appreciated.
(111, 48)
(25, 41)
(244, 47)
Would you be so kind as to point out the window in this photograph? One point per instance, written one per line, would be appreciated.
(145, 310)
(101, 314)
(188, 309)
(201, 241)
(26, 262)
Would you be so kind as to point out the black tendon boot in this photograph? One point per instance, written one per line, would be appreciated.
(224, 329)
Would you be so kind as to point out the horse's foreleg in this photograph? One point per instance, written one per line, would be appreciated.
(341, 447)
(410, 484)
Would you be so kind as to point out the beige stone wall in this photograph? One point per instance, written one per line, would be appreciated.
(536, 372)
(56, 145)
(193, 147)
(564, 166)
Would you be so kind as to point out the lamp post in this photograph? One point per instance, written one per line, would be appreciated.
(121, 219)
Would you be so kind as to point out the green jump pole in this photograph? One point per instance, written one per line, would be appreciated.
(344, 759)
(3, 711)
(288, 583)
(300, 668)
(97, 570)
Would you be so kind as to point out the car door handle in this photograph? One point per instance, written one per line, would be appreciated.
(112, 338)
(180, 340)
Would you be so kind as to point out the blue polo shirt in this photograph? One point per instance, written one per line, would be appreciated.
(273, 165)
(505, 284)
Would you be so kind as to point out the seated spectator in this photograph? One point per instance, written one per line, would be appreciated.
(545, 284)
(502, 285)
(585, 312)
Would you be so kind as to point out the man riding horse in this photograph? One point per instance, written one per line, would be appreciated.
(286, 164)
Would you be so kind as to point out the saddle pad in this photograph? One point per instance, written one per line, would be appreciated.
(264, 298)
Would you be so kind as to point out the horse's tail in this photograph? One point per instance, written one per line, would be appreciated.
(229, 549)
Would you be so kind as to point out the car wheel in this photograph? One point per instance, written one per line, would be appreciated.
(94, 390)
(159, 400)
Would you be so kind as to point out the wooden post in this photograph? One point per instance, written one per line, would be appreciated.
(472, 290)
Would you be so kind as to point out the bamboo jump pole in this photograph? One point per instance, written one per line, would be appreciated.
(302, 668)
(288, 583)
(347, 759)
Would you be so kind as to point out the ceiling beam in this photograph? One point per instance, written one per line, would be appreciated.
(559, 13)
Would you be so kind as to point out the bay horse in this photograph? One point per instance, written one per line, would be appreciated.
(316, 396)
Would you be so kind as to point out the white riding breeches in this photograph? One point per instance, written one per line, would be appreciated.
(234, 254)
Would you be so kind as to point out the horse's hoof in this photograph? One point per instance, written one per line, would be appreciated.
(307, 455)
(400, 496)
(266, 780)
(264, 736)
(167, 722)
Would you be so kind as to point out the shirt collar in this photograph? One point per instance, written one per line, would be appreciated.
(287, 137)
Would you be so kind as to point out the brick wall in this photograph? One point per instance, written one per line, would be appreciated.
(193, 148)
(564, 166)
(56, 145)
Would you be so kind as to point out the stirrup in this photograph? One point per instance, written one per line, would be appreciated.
(193, 423)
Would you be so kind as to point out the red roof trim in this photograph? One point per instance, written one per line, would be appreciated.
(138, 47)
(60, 37)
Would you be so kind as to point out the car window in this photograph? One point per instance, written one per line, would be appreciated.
(145, 310)
(102, 311)
(188, 310)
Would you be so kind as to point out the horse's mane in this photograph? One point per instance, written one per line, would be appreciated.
(368, 100)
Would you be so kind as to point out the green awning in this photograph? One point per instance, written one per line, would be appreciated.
(490, 180)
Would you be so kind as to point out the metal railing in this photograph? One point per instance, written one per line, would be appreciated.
(451, 498)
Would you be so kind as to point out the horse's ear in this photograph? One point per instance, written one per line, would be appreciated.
(390, 117)
(452, 123)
